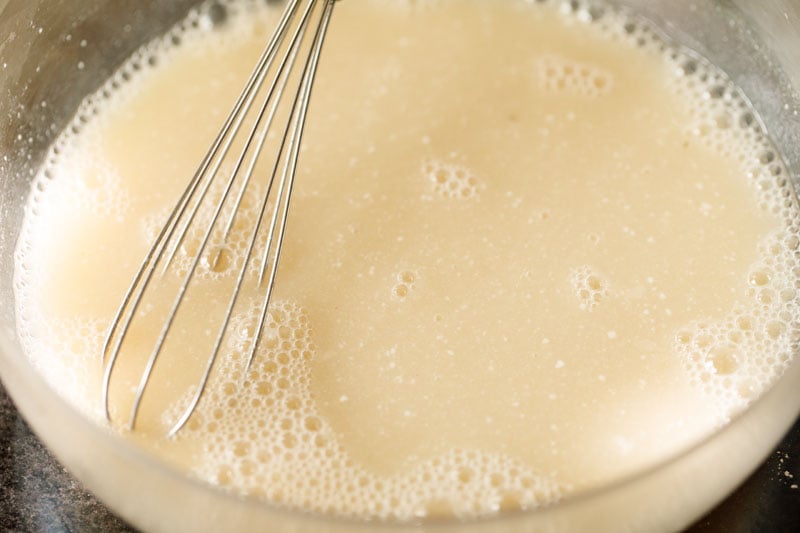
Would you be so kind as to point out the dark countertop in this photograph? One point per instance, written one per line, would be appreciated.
(39, 495)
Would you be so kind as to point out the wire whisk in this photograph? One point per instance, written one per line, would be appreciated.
(271, 79)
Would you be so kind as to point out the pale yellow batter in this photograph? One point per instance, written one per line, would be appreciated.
(527, 254)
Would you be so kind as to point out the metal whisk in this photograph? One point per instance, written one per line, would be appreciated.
(270, 78)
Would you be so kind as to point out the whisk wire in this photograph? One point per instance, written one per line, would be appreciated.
(180, 297)
(291, 170)
(207, 171)
(133, 296)
(296, 123)
(281, 87)
(241, 114)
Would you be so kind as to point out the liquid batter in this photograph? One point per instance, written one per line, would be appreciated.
(532, 248)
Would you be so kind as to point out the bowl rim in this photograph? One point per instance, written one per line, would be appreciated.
(138, 456)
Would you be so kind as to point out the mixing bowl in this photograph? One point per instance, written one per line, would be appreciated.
(55, 52)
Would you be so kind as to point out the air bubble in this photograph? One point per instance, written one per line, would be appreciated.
(775, 329)
(716, 92)
(724, 360)
(590, 287)
(760, 278)
(689, 67)
(510, 501)
(217, 14)
(407, 277)
(766, 157)
(400, 291)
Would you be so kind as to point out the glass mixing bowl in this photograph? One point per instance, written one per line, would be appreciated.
(55, 52)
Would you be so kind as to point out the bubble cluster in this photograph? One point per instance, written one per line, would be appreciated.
(450, 180)
(724, 122)
(226, 249)
(224, 253)
(590, 287)
(98, 189)
(405, 282)
(613, 24)
(562, 75)
(722, 119)
(734, 360)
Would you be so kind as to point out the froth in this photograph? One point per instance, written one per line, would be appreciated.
(559, 74)
(734, 360)
(266, 438)
(224, 252)
(450, 180)
(590, 287)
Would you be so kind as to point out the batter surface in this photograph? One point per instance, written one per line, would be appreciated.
(531, 249)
